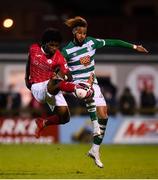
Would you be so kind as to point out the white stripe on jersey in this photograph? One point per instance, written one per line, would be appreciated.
(102, 41)
(74, 49)
(77, 58)
(80, 67)
(82, 75)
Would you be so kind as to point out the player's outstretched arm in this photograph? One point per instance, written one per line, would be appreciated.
(120, 43)
(140, 48)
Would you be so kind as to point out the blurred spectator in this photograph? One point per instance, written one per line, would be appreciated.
(84, 134)
(127, 102)
(13, 100)
(3, 100)
(147, 100)
(109, 91)
(3, 103)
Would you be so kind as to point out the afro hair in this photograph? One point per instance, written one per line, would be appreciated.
(51, 34)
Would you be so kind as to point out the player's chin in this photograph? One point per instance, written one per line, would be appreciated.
(81, 40)
(51, 52)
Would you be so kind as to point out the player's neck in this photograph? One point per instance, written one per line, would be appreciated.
(46, 54)
(43, 51)
(77, 43)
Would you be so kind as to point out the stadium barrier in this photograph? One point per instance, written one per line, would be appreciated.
(120, 130)
(21, 130)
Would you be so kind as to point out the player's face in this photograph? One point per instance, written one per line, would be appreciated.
(51, 47)
(80, 34)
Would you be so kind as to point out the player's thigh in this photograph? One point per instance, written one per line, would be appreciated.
(53, 86)
(102, 112)
(98, 96)
(61, 105)
(63, 113)
(100, 102)
(57, 100)
(60, 100)
(62, 110)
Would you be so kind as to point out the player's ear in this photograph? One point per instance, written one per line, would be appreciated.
(73, 31)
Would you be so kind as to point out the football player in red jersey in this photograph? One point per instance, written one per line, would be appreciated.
(44, 61)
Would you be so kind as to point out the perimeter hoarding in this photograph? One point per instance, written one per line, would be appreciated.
(120, 130)
(22, 130)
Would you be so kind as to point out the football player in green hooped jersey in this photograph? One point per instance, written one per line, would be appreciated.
(79, 54)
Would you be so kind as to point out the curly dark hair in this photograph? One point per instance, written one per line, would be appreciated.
(76, 21)
(51, 34)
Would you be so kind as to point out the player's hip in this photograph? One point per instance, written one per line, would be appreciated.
(40, 93)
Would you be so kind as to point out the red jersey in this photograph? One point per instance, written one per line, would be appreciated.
(42, 67)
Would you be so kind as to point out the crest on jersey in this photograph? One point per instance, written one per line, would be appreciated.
(86, 60)
(49, 61)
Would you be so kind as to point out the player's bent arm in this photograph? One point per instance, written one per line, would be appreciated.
(64, 69)
(66, 76)
(27, 74)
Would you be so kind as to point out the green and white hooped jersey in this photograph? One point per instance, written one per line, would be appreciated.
(80, 59)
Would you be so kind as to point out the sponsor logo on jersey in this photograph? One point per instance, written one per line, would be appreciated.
(38, 55)
(85, 60)
(49, 61)
(36, 62)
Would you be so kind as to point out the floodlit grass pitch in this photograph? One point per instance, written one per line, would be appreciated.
(70, 161)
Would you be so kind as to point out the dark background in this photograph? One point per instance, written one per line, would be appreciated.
(130, 20)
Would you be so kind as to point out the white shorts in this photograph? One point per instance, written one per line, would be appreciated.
(39, 91)
(98, 96)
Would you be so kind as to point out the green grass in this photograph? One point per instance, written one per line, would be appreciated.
(70, 162)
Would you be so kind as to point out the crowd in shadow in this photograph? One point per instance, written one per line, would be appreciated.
(10, 102)
(125, 104)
